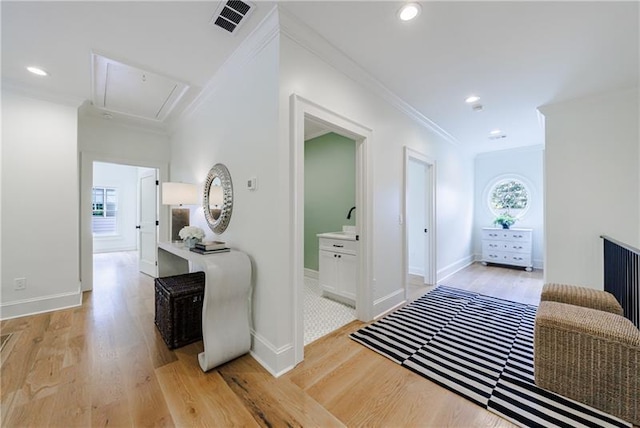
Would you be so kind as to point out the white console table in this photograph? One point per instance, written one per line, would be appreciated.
(227, 293)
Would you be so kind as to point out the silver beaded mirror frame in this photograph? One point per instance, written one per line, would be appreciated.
(218, 204)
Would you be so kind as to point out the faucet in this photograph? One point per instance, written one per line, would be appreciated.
(349, 215)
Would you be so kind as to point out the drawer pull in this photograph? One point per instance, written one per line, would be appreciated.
(338, 246)
(517, 247)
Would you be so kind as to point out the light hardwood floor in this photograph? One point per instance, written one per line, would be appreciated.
(104, 364)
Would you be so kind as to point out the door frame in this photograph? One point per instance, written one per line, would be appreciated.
(430, 209)
(302, 108)
(87, 159)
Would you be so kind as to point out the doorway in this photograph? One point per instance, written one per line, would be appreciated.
(124, 213)
(127, 224)
(304, 111)
(419, 215)
(329, 206)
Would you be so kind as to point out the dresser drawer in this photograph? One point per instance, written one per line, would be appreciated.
(516, 235)
(513, 247)
(516, 259)
(338, 245)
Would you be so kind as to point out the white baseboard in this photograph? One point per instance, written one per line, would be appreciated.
(39, 305)
(276, 361)
(388, 302)
(416, 279)
(537, 263)
(418, 271)
(449, 270)
(113, 250)
(310, 273)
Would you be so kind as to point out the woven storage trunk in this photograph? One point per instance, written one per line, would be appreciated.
(179, 308)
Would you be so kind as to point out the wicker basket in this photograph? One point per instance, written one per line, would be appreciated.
(179, 308)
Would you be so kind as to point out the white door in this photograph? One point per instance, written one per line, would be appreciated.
(148, 225)
(419, 215)
(428, 200)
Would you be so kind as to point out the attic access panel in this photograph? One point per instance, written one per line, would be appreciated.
(123, 88)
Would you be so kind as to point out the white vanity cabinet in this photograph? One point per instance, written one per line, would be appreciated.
(337, 268)
(507, 247)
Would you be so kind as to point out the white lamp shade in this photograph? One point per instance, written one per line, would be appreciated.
(179, 194)
(215, 196)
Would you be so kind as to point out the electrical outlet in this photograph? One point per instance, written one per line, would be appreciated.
(20, 283)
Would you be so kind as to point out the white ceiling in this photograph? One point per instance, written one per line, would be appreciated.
(515, 55)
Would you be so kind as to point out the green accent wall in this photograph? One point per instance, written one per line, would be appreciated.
(329, 189)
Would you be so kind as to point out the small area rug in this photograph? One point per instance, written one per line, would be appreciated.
(481, 348)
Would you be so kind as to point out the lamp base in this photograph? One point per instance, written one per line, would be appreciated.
(179, 219)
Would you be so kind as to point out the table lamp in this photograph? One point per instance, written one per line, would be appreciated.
(179, 194)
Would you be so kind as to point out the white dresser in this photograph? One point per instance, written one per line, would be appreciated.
(508, 247)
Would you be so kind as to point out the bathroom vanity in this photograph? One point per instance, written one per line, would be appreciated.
(338, 265)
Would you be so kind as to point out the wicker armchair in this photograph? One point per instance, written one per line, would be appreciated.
(586, 354)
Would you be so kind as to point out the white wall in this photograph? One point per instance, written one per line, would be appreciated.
(592, 183)
(236, 124)
(244, 123)
(39, 205)
(124, 179)
(526, 164)
(110, 141)
(305, 73)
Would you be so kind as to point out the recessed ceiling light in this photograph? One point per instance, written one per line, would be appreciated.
(409, 11)
(38, 71)
(495, 132)
(472, 99)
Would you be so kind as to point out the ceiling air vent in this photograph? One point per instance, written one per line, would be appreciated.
(231, 14)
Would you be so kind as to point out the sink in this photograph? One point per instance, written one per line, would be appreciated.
(349, 229)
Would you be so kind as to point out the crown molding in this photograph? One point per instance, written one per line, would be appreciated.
(255, 42)
(522, 149)
(87, 109)
(40, 94)
(309, 39)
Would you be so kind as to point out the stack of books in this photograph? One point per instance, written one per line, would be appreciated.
(210, 247)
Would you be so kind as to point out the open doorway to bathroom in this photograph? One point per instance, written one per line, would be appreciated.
(329, 230)
(304, 110)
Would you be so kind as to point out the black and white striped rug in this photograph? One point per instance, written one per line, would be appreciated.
(481, 348)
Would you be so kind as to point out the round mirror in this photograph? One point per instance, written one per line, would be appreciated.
(218, 198)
